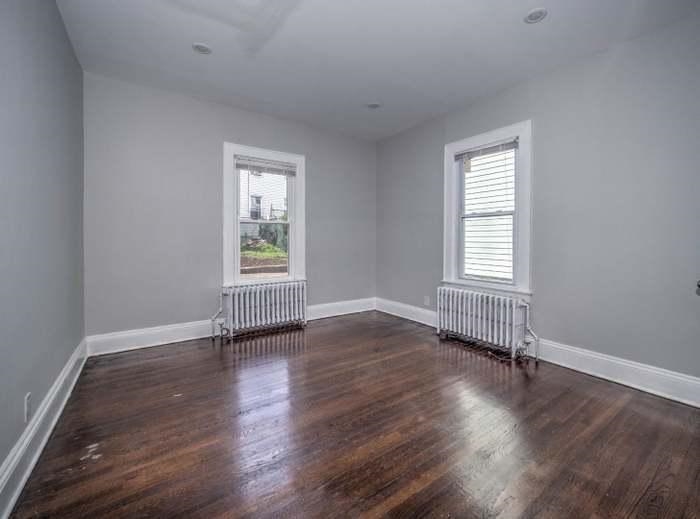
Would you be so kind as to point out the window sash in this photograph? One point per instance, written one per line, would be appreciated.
(484, 184)
(251, 220)
(289, 222)
(289, 189)
(492, 253)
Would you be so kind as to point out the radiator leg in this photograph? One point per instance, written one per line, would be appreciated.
(224, 334)
(216, 316)
(535, 337)
(213, 326)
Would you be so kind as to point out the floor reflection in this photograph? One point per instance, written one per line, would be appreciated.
(262, 428)
(487, 408)
(255, 348)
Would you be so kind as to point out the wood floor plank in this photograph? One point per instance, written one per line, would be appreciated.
(365, 415)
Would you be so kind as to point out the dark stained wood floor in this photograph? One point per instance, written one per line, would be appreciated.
(363, 415)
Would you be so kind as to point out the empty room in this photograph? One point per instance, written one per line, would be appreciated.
(322, 259)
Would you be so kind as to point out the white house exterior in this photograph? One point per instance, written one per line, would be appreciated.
(263, 196)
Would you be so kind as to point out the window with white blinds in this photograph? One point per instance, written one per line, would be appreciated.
(488, 211)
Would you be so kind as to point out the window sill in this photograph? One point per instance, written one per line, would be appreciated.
(498, 288)
(261, 281)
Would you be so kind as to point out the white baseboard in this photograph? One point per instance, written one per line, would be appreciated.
(145, 337)
(127, 340)
(340, 308)
(413, 313)
(19, 463)
(658, 381)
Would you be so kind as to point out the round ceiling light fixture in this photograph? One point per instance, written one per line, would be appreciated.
(373, 106)
(536, 15)
(201, 48)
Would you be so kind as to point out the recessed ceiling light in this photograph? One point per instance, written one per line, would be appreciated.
(373, 106)
(201, 48)
(536, 15)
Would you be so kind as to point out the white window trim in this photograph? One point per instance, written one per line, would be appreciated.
(296, 204)
(522, 217)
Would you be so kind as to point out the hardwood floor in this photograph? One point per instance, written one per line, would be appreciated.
(362, 415)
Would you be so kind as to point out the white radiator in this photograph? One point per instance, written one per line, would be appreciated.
(250, 308)
(496, 320)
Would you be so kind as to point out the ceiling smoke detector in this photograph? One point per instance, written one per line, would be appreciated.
(536, 15)
(201, 48)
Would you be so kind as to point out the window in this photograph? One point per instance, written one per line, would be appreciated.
(487, 210)
(488, 188)
(255, 205)
(263, 215)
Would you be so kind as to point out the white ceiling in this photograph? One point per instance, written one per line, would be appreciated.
(321, 61)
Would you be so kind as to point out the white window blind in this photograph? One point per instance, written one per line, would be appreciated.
(259, 165)
(488, 210)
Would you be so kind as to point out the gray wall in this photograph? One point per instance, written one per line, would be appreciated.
(616, 199)
(153, 177)
(41, 193)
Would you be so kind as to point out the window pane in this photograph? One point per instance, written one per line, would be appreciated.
(263, 196)
(264, 250)
(488, 247)
(489, 183)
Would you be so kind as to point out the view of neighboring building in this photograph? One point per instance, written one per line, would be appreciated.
(263, 196)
